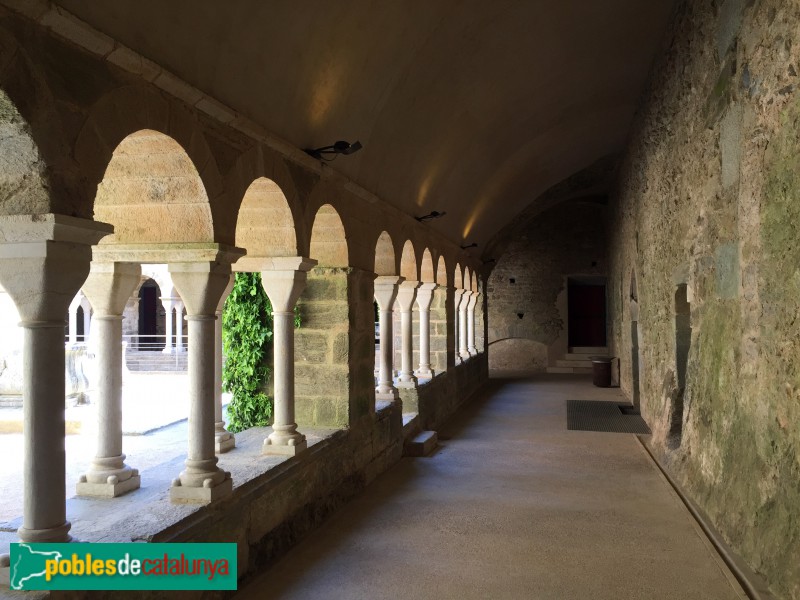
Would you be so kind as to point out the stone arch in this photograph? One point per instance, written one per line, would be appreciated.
(328, 238)
(458, 277)
(385, 263)
(426, 273)
(130, 110)
(467, 279)
(408, 262)
(152, 193)
(265, 225)
(257, 164)
(441, 271)
(34, 157)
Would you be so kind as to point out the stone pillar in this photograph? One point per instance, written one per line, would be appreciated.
(44, 260)
(73, 318)
(179, 326)
(406, 293)
(463, 353)
(458, 295)
(87, 318)
(424, 299)
(473, 300)
(108, 288)
(168, 310)
(200, 285)
(385, 294)
(223, 439)
(284, 282)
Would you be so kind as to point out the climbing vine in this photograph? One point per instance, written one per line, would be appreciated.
(247, 341)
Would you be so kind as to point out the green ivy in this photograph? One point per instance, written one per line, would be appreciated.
(247, 342)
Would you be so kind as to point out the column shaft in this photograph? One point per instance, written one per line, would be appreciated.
(386, 289)
(168, 316)
(462, 326)
(44, 515)
(424, 299)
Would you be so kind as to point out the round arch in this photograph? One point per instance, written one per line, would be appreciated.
(328, 238)
(385, 263)
(426, 274)
(458, 281)
(265, 225)
(408, 262)
(152, 193)
(441, 271)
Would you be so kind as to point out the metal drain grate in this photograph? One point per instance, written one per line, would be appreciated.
(596, 415)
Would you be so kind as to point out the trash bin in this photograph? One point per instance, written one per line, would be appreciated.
(601, 371)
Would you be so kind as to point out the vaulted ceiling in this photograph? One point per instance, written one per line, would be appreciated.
(465, 106)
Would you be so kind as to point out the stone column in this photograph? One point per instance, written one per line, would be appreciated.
(200, 285)
(424, 299)
(108, 288)
(473, 300)
(179, 326)
(168, 310)
(385, 294)
(284, 281)
(44, 260)
(462, 325)
(406, 293)
(73, 318)
(87, 318)
(458, 295)
(223, 439)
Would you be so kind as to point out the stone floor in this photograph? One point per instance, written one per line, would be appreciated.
(512, 505)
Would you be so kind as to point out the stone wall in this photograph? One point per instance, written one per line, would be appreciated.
(527, 287)
(709, 198)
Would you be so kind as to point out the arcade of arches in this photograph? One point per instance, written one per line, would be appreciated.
(643, 204)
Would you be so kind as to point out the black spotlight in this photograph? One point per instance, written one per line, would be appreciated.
(340, 147)
(434, 214)
(472, 245)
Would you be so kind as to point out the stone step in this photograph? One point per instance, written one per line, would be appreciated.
(587, 364)
(422, 444)
(598, 350)
(411, 426)
(577, 356)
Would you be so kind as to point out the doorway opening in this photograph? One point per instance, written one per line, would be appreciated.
(683, 342)
(586, 311)
(149, 338)
(634, 312)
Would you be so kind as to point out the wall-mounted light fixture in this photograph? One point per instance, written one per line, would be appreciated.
(468, 246)
(434, 214)
(489, 261)
(340, 147)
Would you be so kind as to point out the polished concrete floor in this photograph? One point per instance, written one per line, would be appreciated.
(511, 505)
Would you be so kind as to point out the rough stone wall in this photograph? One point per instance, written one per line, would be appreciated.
(568, 239)
(709, 197)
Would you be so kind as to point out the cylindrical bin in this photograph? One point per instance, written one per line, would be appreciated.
(601, 371)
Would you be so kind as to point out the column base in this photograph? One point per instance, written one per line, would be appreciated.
(464, 356)
(424, 374)
(473, 352)
(387, 396)
(184, 494)
(407, 384)
(112, 488)
(224, 442)
(169, 350)
(284, 449)
(51, 534)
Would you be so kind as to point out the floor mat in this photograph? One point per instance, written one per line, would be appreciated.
(597, 415)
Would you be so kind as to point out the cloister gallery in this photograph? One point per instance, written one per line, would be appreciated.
(536, 191)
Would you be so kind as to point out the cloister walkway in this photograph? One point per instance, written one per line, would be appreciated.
(512, 505)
